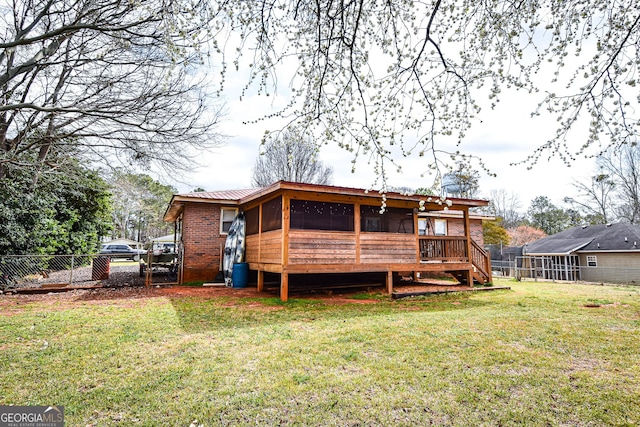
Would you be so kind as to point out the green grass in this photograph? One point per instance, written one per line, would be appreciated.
(541, 354)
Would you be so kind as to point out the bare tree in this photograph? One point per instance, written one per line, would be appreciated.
(623, 166)
(506, 206)
(382, 77)
(103, 79)
(595, 199)
(292, 157)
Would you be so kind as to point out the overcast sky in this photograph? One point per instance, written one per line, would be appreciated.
(506, 135)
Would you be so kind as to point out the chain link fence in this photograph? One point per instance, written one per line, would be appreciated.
(572, 273)
(54, 271)
(503, 268)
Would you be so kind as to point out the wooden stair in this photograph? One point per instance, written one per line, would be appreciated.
(461, 276)
(481, 267)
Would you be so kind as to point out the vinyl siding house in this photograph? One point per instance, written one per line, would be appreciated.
(304, 230)
(595, 253)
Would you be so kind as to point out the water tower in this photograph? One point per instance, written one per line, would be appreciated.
(452, 186)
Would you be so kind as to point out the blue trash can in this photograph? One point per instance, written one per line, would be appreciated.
(240, 275)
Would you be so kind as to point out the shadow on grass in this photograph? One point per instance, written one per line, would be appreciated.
(197, 315)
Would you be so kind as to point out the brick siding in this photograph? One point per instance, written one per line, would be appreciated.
(455, 227)
(202, 241)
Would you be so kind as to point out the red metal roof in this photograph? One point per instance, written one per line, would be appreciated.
(244, 195)
(237, 197)
(222, 195)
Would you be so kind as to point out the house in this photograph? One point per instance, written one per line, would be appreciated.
(505, 260)
(593, 253)
(295, 229)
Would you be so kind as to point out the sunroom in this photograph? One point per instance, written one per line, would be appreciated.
(302, 229)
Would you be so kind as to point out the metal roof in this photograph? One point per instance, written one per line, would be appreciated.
(230, 195)
(239, 197)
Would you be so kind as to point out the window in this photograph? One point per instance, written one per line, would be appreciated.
(422, 227)
(393, 220)
(592, 260)
(316, 215)
(440, 227)
(252, 219)
(227, 215)
(371, 224)
(272, 214)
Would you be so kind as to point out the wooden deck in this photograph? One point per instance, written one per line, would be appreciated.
(341, 252)
(303, 229)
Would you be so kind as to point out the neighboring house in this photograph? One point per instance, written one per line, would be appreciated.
(505, 260)
(295, 229)
(593, 253)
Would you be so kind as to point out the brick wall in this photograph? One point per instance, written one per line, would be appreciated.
(455, 227)
(202, 241)
(476, 232)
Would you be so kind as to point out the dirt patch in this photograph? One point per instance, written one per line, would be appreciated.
(211, 291)
(604, 305)
(126, 296)
(11, 304)
(429, 287)
(341, 297)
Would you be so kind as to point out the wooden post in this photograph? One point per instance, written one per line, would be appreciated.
(389, 282)
(284, 276)
(286, 212)
(260, 280)
(417, 233)
(260, 233)
(467, 233)
(470, 277)
(284, 286)
(148, 277)
(356, 228)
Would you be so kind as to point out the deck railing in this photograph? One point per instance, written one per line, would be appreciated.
(443, 248)
(454, 249)
(481, 260)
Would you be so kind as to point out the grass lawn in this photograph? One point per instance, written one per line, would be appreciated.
(540, 354)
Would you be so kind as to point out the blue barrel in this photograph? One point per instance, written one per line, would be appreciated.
(240, 275)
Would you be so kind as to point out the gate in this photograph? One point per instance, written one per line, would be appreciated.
(160, 267)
